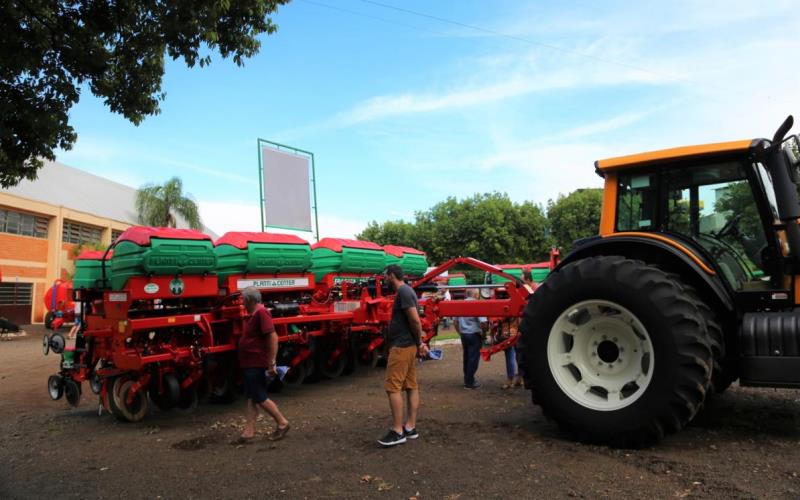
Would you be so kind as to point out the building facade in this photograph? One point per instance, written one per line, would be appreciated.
(43, 226)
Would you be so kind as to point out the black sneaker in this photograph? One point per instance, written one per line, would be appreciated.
(392, 438)
(410, 434)
(474, 385)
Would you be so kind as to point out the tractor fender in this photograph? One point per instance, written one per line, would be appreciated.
(670, 256)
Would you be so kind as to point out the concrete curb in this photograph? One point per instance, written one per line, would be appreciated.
(446, 342)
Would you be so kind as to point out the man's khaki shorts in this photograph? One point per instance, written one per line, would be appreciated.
(401, 369)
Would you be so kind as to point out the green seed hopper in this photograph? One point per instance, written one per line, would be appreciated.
(413, 261)
(539, 272)
(261, 253)
(89, 269)
(343, 256)
(159, 251)
(456, 280)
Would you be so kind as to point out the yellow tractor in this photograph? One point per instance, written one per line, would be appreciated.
(692, 283)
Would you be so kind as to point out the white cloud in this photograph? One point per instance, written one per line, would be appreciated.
(519, 82)
(106, 155)
(222, 217)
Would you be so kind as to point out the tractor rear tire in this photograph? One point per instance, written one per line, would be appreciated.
(615, 351)
(722, 373)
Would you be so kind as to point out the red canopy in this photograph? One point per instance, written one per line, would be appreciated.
(241, 239)
(336, 244)
(398, 251)
(141, 235)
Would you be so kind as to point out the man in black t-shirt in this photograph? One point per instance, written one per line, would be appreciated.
(404, 341)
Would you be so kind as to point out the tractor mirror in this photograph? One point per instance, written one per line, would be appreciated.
(792, 147)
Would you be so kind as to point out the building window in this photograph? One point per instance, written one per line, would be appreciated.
(16, 294)
(115, 234)
(75, 232)
(23, 224)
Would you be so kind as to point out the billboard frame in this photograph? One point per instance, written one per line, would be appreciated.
(300, 152)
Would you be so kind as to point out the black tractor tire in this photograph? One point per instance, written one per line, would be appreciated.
(723, 373)
(57, 343)
(221, 380)
(187, 402)
(96, 384)
(167, 399)
(72, 392)
(680, 370)
(370, 359)
(296, 375)
(332, 370)
(55, 387)
(118, 401)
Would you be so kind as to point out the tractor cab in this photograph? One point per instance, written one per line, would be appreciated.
(718, 205)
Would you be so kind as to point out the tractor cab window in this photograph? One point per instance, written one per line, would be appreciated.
(714, 205)
(636, 199)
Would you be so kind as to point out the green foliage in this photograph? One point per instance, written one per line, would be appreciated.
(574, 216)
(50, 50)
(737, 199)
(158, 204)
(87, 245)
(486, 226)
(391, 233)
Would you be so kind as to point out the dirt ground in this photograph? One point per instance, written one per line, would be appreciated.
(474, 444)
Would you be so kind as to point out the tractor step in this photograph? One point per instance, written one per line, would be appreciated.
(770, 345)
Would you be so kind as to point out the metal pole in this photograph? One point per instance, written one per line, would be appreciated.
(261, 185)
(314, 184)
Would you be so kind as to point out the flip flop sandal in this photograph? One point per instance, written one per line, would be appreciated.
(279, 433)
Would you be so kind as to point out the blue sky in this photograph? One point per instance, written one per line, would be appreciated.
(402, 110)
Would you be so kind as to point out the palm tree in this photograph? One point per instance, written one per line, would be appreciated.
(158, 204)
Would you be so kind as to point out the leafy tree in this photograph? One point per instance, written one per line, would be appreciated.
(158, 204)
(51, 50)
(574, 216)
(737, 201)
(391, 233)
(487, 226)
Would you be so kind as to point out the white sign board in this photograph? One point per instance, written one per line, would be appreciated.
(287, 189)
(273, 283)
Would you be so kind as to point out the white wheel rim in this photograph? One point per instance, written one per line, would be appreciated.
(53, 387)
(600, 355)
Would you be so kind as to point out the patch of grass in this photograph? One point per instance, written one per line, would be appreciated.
(446, 335)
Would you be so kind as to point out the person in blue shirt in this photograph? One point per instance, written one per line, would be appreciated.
(470, 330)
